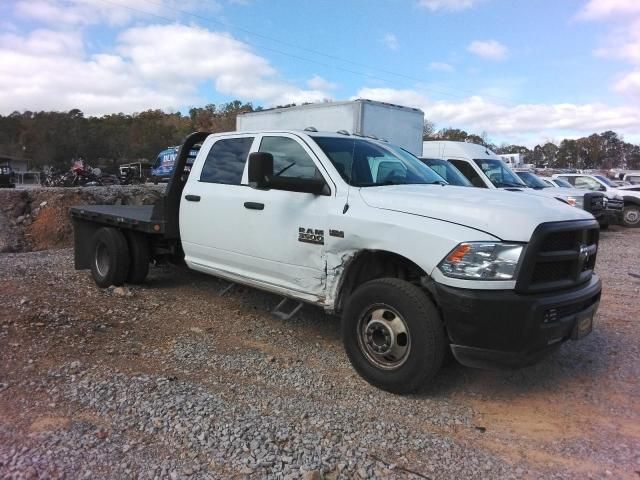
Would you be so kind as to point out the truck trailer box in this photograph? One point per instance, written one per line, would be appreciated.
(399, 125)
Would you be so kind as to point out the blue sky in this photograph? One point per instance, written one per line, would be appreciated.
(521, 71)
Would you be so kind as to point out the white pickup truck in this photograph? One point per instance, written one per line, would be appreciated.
(362, 228)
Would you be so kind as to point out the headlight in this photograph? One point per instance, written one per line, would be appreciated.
(482, 261)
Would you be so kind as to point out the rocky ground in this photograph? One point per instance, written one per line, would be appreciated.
(37, 218)
(173, 380)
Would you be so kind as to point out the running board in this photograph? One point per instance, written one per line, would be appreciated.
(226, 289)
(277, 312)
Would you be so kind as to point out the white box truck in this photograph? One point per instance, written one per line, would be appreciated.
(399, 125)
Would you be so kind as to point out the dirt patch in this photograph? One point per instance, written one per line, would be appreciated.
(46, 424)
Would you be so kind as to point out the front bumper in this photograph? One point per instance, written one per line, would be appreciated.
(505, 329)
(612, 217)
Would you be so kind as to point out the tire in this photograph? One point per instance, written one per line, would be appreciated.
(631, 216)
(364, 327)
(140, 257)
(154, 179)
(110, 257)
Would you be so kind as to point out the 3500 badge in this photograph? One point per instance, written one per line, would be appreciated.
(310, 235)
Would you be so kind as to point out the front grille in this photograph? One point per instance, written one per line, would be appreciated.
(560, 255)
(594, 202)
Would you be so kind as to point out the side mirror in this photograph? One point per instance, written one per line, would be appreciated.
(260, 169)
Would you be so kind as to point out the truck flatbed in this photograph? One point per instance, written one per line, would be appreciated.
(144, 218)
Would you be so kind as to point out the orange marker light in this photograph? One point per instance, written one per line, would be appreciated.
(458, 254)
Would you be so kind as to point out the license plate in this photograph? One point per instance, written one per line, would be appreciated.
(583, 327)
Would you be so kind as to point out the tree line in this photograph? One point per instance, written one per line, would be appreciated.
(57, 138)
(604, 150)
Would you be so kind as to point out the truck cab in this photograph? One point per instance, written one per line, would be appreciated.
(362, 228)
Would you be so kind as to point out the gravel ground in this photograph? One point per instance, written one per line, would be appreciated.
(173, 380)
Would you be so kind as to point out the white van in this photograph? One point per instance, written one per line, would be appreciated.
(485, 169)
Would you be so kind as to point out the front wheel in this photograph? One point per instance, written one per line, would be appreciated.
(393, 335)
(631, 216)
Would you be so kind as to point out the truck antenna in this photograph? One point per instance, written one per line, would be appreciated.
(353, 154)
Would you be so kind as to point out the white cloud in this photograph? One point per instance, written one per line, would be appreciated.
(441, 67)
(447, 5)
(490, 49)
(318, 83)
(118, 13)
(524, 123)
(600, 9)
(629, 84)
(156, 66)
(391, 41)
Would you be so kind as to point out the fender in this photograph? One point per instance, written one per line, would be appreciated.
(631, 200)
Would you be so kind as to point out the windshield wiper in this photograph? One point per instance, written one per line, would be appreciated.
(281, 171)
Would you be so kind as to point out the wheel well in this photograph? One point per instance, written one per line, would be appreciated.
(371, 264)
(631, 201)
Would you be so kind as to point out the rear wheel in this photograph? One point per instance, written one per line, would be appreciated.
(110, 263)
(139, 253)
(393, 335)
(631, 216)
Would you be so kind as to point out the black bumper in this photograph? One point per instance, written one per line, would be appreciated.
(611, 217)
(505, 329)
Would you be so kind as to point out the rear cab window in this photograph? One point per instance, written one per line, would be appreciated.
(226, 160)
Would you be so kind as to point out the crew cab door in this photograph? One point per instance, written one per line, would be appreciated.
(255, 236)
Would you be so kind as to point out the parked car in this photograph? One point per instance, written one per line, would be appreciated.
(628, 200)
(363, 228)
(485, 169)
(6, 177)
(597, 201)
(447, 171)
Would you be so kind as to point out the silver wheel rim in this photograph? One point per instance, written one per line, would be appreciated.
(632, 216)
(102, 259)
(383, 337)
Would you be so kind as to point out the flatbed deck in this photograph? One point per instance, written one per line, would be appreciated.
(144, 218)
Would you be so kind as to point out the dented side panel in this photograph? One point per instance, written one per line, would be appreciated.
(422, 240)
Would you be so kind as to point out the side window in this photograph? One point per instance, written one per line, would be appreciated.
(289, 158)
(225, 161)
(468, 171)
(587, 183)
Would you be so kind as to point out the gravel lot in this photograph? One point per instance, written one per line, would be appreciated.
(172, 380)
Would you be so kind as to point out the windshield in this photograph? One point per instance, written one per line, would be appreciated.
(499, 174)
(562, 183)
(532, 181)
(447, 171)
(605, 180)
(363, 163)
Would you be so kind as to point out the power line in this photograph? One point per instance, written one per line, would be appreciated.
(292, 55)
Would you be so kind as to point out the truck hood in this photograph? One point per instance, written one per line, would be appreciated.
(556, 192)
(503, 214)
